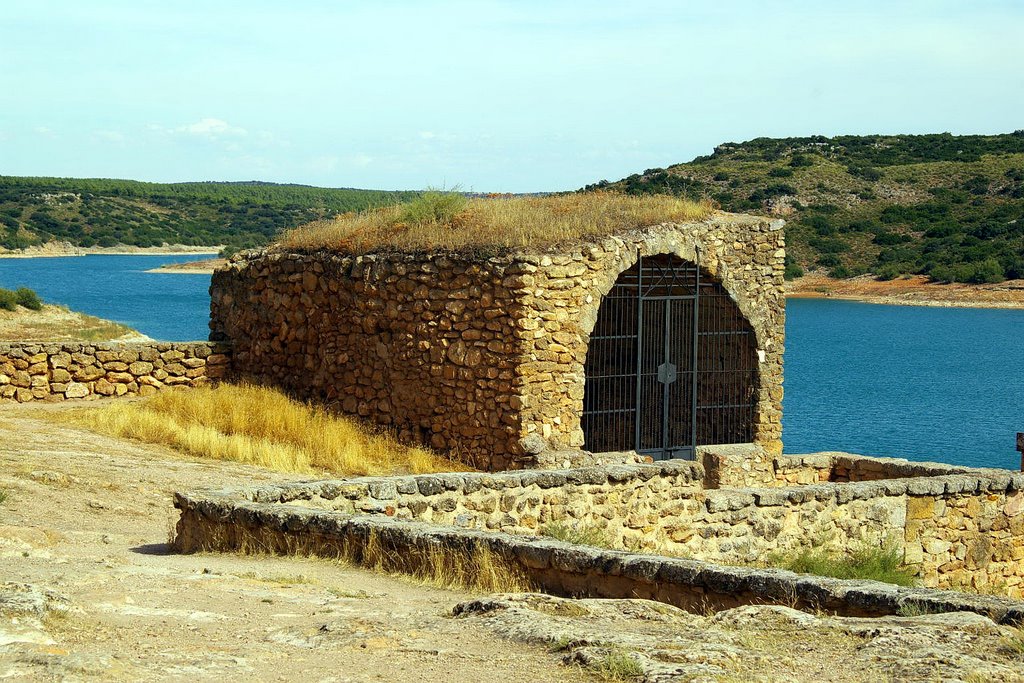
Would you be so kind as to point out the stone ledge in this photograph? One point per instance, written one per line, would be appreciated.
(390, 488)
(567, 569)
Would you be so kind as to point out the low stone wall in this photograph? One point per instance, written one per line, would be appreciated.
(816, 468)
(223, 522)
(962, 529)
(63, 371)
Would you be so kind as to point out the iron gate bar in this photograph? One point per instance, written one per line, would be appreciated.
(632, 365)
(696, 348)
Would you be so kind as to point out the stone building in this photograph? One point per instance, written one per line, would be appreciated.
(657, 340)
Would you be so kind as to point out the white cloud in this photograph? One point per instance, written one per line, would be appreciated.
(44, 131)
(110, 136)
(324, 163)
(211, 128)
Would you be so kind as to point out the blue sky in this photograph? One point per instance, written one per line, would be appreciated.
(491, 96)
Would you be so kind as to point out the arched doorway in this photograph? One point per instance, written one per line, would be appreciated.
(672, 364)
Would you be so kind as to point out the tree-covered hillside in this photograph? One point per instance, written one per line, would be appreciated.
(950, 207)
(99, 212)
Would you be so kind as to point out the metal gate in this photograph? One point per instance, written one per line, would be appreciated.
(671, 365)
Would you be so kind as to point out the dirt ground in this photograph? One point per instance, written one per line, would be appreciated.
(89, 592)
(909, 291)
(87, 517)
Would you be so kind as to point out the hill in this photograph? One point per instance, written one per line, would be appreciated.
(948, 207)
(101, 212)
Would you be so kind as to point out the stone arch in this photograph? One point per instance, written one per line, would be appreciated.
(672, 360)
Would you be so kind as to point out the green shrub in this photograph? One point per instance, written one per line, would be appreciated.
(433, 206)
(876, 564)
(780, 172)
(28, 298)
(8, 300)
(888, 271)
(793, 270)
(840, 272)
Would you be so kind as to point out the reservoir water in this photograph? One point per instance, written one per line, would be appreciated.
(943, 384)
(165, 306)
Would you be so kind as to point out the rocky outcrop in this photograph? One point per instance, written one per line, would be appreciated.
(659, 643)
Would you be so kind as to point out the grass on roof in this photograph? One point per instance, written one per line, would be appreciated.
(446, 221)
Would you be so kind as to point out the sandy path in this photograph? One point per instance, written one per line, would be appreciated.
(87, 516)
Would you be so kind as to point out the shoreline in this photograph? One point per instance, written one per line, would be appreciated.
(914, 290)
(203, 267)
(65, 249)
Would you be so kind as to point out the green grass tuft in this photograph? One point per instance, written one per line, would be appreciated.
(578, 534)
(616, 666)
(875, 564)
(1014, 644)
(3, 496)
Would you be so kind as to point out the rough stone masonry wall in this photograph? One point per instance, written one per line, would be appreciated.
(482, 357)
(964, 529)
(562, 295)
(423, 344)
(62, 371)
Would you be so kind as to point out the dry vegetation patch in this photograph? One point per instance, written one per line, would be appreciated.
(259, 426)
(450, 222)
(57, 324)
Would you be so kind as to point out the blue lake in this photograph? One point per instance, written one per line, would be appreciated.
(942, 384)
(165, 306)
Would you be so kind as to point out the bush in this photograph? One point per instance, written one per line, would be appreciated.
(8, 300)
(779, 172)
(433, 206)
(793, 270)
(888, 271)
(28, 298)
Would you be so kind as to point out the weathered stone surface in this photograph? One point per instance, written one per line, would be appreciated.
(69, 370)
(753, 642)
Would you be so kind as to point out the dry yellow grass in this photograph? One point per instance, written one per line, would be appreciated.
(492, 224)
(57, 323)
(476, 568)
(259, 426)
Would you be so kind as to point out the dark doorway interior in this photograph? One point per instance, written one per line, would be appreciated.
(672, 364)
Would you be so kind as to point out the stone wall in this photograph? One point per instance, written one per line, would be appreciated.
(959, 529)
(480, 357)
(63, 371)
(224, 522)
